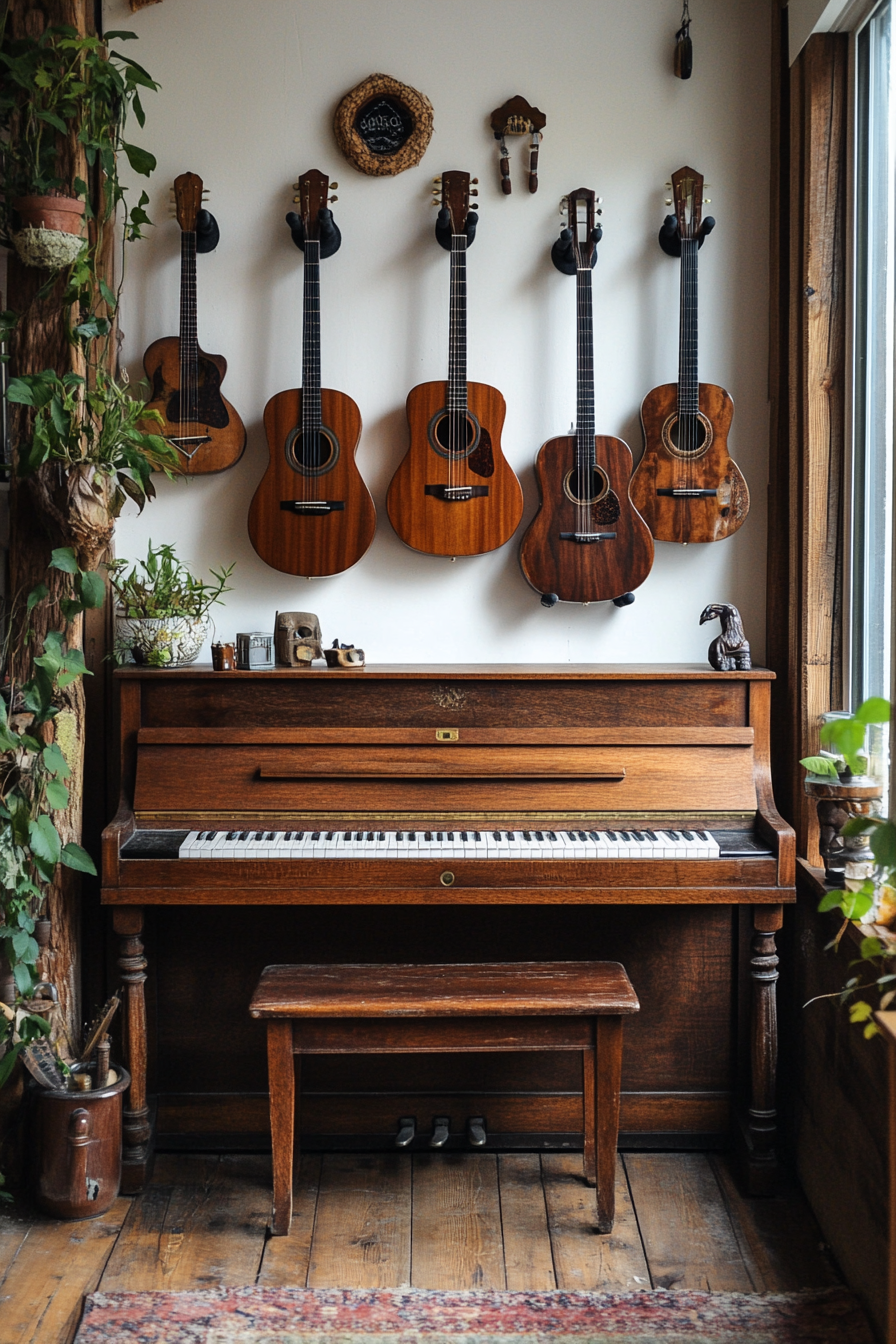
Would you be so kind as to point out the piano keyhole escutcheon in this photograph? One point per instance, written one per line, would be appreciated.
(447, 879)
(447, 734)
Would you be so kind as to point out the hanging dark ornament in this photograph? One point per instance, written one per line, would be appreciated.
(684, 51)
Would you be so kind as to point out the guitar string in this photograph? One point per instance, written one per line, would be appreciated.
(456, 363)
(312, 453)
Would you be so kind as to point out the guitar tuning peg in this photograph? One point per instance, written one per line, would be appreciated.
(475, 181)
(334, 186)
(668, 200)
(668, 186)
(598, 200)
(474, 193)
(297, 200)
(295, 186)
(474, 205)
(437, 181)
(333, 198)
(707, 200)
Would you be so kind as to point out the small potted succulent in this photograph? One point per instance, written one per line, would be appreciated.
(162, 615)
(839, 781)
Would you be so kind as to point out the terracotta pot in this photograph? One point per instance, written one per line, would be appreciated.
(61, 213)
(77, 1138)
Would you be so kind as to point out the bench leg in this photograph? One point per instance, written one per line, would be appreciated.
(589, 1097)
(607, 1083)
(282, 1085)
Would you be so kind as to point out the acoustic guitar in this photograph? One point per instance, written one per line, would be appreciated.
(185, 382)
(587, 543)
(312, 514)
(453, 493)
(686, 485)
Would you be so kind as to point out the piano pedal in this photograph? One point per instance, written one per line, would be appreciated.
(407, 1131)
(476, 1135)
(440, 1127)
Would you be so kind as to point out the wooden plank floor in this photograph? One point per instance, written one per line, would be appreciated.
(464, 1220)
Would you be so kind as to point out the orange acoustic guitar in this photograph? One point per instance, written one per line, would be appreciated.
(454, 493)
(186, 382)
(312, 514)
(587, 543)
(686, 485)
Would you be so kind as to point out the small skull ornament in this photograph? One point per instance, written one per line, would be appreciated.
(297, 638)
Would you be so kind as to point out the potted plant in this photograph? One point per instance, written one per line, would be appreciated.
(162, 618)
(52, 84)
(839, 782)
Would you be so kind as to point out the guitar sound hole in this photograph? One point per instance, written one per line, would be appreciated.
(688, 437)
(588, 490)
(312, 454)
(440, 434)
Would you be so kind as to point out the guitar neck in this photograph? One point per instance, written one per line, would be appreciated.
(188, 344)
(688, 384)
(311, 414)
(457, 326)
(584, 371)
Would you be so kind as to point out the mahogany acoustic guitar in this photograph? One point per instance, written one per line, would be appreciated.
(454, 493)
(686, 485)
(312, 514)
(587, 543)
(186, 382)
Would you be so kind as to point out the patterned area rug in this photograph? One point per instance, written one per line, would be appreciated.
(380, 1316)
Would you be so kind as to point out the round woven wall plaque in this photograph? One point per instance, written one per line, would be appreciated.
(383, 126)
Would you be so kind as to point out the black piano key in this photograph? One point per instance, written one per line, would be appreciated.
(412, 835)
(287, 836)
(449, 835)
(539, 835)
(626, 836)
(640, 836)
(370, 836)
(299, 835)
(477, 837)
(440, 835)
(611, 835)
(674, 835)
(427, 835)
(346, 835)
(496, 835)
(381, 836)
(701, 835)
(593, 835)
(232, 835)
(527, 835)
(463, 836)
(688, 835)
(399, 835)
(651, 835)
(315, 835)
(269, 835)
(552, 835)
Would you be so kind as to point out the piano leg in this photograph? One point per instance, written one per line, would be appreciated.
(127, 921)
(760, 1165)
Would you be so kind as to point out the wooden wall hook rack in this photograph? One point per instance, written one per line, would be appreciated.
(517, 117)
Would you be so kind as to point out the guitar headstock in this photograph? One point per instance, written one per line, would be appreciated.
(313, 188)
(188, 195)
(453, 191)
(580, 216)
(687, 199)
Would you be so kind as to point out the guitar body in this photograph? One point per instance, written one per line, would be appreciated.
(710, 517)
(597, 571)
(309, 544)
(216, 423)
(427, 520)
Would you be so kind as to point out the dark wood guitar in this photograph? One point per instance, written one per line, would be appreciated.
(587, 543)
(312, 514)
(686, 485)
(186, 382)
(454, 493)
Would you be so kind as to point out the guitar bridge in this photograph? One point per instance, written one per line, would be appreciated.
(688, 493)
(586, 537)
(197, 440)
(456, 494)
(312, 507)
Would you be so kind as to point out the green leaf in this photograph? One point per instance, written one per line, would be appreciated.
(35, 596)
(57, 795)
(830, 901)
(23, 978)
(883, 844)
(64, 559)
(874, 710)
(856, 904)
(19, 392)
(140, 160)
(93, 590)
(8, 1062)
(820, 765)
(51, 117)
(45, 843)
(54, 761)
(24, 946)
(858, 825)
(73, 856)
(860, 1011)
(869, 948)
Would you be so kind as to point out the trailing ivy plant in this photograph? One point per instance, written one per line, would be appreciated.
(33, 787)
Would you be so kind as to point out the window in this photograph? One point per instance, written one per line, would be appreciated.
(871, 496)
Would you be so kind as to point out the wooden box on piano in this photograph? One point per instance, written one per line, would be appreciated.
(364, 761)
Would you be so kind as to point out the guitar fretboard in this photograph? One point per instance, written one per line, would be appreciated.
(584, 375)
(188, 346)
(311, 413)
(688, 384)
(457, 326)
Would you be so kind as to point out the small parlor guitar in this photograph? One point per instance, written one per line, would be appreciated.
(312, 514)
(185, 382)
(454, 493)
(587, 543)
(686, 486)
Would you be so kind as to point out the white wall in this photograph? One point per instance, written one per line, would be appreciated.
(247, 102)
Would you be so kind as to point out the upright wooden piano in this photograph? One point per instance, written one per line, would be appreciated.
(451, 813)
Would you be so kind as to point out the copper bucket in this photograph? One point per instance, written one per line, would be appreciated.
(77, 1141)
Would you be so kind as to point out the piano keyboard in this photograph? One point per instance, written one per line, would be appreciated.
(665, 844)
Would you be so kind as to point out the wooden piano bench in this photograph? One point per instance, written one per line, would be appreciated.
(380, 1009)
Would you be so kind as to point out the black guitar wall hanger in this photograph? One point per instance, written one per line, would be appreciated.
(330, 237)
(208, 235)
(669, 236)
(563, 253)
